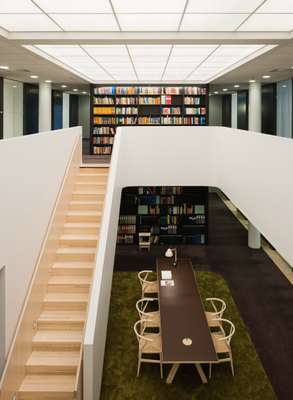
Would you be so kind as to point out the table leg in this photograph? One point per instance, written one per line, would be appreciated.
(172, 373)
(201, 373)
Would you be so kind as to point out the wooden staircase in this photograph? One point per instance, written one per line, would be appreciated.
(51, 371)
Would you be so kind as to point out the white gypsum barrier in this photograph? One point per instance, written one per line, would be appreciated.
(253, 170)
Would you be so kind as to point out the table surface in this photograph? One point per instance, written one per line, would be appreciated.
(182, 316)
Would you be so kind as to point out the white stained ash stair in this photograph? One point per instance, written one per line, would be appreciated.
(51, 369)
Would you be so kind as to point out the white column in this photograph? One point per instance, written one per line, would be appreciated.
(234, 111)
(254, 124)
(254, 112)
(65, 111)
(45, 107)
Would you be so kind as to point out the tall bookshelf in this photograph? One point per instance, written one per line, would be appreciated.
(145, 105)
(172, 214)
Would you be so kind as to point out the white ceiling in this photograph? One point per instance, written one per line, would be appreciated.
(135, 41)
(150, 15)
(190, 63)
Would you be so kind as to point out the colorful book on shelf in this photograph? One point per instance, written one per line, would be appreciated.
(149, 90)
(126, 120)
(104, 130)
(149, 120)
(126, 90)
(126, 100)
(102, 150)
(172, 90)
(105, 90)
(104, 100)
(150, 100)
(126, 110)
(104, 120)
(104, 110)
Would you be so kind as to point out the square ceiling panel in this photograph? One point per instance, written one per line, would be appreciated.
(86, 22)
(18, 6)
(192, 50)
(276, 6)
(212, 22)
(62, 50)
(75, 6)
(225, 6)
(149, 22)
(268, 22)
(27, 23)
(149, 6)
(105, 51)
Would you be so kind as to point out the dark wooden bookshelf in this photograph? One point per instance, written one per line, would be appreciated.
(146, 110)
(172, 214)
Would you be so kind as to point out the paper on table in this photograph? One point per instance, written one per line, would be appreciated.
(166, 274)
(167, 282)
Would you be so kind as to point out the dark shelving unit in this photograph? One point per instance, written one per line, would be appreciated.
(112, 97)
(172, 214)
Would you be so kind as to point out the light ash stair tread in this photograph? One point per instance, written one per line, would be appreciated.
(70, 279)
(66, 297)
(72, 315)
(83, 191)
(72, 265)
(50, 358)
(82, 225)
(75, 236)
(86, 202)
(48, 383)
(76, 250)
(66, 336)
(85, 213)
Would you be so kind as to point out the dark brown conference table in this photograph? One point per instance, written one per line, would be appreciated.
(185, 334)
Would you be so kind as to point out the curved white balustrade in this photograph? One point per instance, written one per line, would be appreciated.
(253, 170)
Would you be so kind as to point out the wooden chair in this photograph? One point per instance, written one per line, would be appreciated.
(219, 307)
(147, 287)
(148, 344)
(151, 319)
(144, 241)
(222, 344)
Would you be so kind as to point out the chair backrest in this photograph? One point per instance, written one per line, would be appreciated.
(142, 276)
(218, 305)
(227, 336)
(142, 304)
(139, 329)
(144, 238)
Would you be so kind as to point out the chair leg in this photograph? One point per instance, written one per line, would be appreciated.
(138, 368)
(161, 366)
(232, 365)
(210, 371)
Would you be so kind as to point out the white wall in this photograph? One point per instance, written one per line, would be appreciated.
(12, 108)
(29, 187)
(258, 182)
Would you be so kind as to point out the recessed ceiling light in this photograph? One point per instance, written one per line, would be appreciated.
(48, 81)
(225, 90)
(216, 92)
(5, 67)
(84, 92)
(284, 85)
(14, 86)
(64, 86)
(252, 81)
(266, 76)
(236, 86)
(34, 76)
(75, 90)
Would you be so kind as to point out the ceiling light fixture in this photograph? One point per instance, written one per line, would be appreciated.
(236, 86)
(225, 90)
(48, 81)
(84, 92)
(64, 86)
(266, 76)
(75, 90)
(14, 86)
(34, 76)
(284, 86)
(252, 81)
(5, 67)
(216, 92)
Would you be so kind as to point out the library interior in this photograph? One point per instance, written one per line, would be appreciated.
(145, 148)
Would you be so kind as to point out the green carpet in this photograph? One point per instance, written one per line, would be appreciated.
(119, 375)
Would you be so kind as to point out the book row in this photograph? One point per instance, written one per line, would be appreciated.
(103, 140)
(145, 100)
(184, 209)
(148, 90)
(102, 150)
